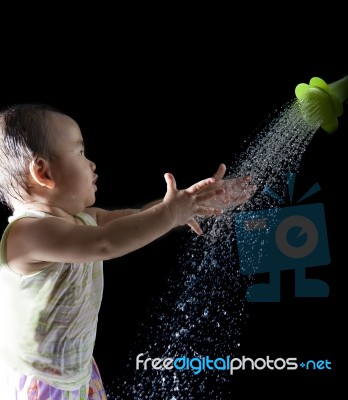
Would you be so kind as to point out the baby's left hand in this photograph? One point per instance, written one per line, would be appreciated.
(237, 190)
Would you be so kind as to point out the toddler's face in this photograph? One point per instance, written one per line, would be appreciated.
(73, 173)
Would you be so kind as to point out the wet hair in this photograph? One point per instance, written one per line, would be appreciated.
(24, 136)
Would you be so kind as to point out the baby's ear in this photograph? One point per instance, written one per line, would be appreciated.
(40, 172)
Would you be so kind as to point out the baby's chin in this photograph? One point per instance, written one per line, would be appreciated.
(91, 203)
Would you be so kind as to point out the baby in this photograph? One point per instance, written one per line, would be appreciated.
(52, 250)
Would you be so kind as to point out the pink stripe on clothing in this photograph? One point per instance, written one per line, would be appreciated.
(22, 387)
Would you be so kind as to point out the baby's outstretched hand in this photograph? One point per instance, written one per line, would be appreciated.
(236, 190)
(184, 205)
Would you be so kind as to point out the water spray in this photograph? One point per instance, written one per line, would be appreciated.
(321, 103)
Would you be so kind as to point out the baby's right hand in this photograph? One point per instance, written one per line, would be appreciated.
(185, 204)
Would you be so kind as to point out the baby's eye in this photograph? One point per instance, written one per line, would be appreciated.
(82, 152)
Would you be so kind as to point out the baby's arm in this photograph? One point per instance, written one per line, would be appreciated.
(33, 241)
(236, 191)
(104, 217)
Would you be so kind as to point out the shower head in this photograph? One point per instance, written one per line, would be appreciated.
(321, 103)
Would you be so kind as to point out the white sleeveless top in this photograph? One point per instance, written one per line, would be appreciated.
(49, 319)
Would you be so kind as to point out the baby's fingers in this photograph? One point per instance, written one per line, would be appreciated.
(193, 224)
(209, 195)
(219, 174)
(197, 187)
(170, 181)
(203, 211)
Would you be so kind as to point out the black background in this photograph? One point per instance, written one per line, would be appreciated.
(182, 98)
